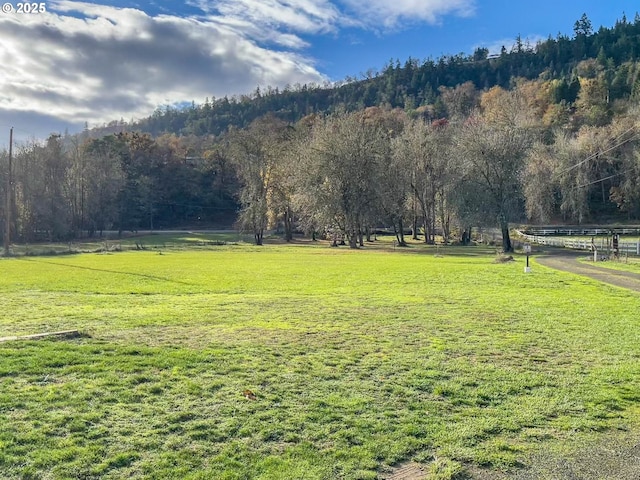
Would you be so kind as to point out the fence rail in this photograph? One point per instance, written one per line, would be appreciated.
(581, 231)
(602, 244)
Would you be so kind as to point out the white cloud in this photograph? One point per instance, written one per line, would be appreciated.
(392, 14)
(306, 16)
(85, 61)
(277, 22)
(98, 63)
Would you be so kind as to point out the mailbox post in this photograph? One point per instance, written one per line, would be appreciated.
(527, 250)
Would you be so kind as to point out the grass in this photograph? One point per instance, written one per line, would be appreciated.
(155, 241)
(359, 360)
(625, 264)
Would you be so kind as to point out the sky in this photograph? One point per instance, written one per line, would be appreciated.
(73, 62)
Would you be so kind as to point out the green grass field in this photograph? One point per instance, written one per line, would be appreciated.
(129, 241)
(626, 264)
(359, 360)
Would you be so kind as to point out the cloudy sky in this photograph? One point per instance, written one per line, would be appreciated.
(79, 62)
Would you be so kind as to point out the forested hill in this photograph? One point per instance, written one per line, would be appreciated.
(418, 87)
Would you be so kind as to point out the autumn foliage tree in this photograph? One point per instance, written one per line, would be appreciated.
(256, 153)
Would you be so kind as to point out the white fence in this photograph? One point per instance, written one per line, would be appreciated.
(603, 244)
(586, 231)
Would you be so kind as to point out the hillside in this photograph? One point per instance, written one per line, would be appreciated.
(418, 86)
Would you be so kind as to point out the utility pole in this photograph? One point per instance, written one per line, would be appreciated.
(7, 221)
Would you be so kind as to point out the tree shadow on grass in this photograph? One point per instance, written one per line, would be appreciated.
(139, 275)
(435, 250)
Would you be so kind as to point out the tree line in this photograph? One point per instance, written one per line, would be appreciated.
(74, 186)
(343, 175)
(505, 155)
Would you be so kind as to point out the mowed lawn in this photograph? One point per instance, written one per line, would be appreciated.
(359, 360)
(625, 264)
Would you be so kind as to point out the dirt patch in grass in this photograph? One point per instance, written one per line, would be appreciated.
(407, 471)
(616, 458)
(62, 335)
(503, 259)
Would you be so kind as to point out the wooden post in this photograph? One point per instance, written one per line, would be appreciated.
(7, 217)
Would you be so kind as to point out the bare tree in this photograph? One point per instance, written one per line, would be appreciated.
(344, 158)
(394, 193)
(425, 151)
(494, 155)
(625, 186)
(539, 183)
(460, 100)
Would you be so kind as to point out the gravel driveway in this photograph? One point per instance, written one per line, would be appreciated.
(568, 261)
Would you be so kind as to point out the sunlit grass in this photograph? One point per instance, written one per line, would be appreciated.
(624, 263)
(358, 359)
(129, 241)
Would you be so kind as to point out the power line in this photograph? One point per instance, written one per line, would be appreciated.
(21, 130)
(601, 152)
(605, 178)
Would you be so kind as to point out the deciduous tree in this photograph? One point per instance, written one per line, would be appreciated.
(256, 152)
(494, 149)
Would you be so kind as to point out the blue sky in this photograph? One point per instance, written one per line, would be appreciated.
(492, 24)
(99, 61)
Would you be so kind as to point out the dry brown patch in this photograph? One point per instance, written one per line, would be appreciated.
(503, 259)
(407, 471)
